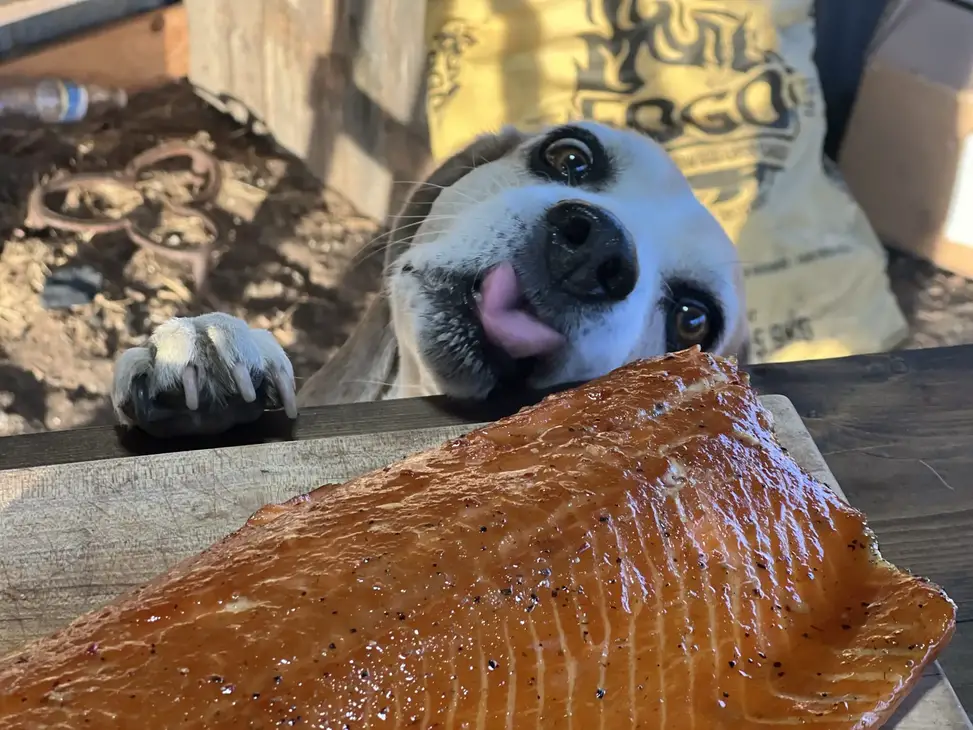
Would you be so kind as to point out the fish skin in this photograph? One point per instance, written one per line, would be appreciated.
(636, 553)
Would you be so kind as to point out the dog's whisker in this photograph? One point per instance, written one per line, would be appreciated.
(378, 247)
(416, 223)
(389, 234)
(364, 381)
(427, 184)
(420, 217)
(363, 256)
(498, 184)
(420, 183)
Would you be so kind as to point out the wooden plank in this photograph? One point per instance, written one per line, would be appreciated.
(338, 84)
(76, 535)
(13, 11)
(134, 54)
(932, 705)
(76, 18)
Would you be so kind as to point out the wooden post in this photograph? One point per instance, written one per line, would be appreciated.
(336, 82)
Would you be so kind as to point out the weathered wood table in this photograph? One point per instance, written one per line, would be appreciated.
(895, 429)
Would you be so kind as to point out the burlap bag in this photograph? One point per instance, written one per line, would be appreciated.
(730, 89)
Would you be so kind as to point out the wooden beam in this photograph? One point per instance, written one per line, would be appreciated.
(337, 83)
(141, 52)
(13, 11)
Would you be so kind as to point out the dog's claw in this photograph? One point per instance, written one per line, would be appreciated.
(190, 388)
(285, 387)
(241, 374)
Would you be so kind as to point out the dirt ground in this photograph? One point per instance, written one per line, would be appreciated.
(292, 259)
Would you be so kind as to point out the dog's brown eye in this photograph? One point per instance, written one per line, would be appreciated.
(692, 318)
(571, 158)
(691, 323)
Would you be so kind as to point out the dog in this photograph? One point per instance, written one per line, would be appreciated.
(525, 261)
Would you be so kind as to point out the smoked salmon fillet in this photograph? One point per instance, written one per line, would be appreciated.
(636, 553)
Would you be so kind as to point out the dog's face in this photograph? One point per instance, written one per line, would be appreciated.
(534, 261)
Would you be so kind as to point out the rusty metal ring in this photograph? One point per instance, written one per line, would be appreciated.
(198, 258)
(40, 215)
(203, 163)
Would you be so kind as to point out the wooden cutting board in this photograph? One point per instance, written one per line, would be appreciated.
(74, 536)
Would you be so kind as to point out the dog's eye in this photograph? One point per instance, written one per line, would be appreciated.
(570, 158)
(692, 318)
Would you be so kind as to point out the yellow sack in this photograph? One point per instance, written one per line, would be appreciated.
(730, 89)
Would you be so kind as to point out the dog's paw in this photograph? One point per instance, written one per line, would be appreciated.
(202, 375)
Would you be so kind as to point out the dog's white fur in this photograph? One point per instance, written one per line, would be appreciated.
(468, 217)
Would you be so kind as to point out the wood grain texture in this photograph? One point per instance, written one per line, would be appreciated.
(35, 32)
(74, 536)
(138, 53)
(13, 11)
(339, 84)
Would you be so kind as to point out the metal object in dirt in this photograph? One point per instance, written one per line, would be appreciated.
(40, 215)
(71, 286)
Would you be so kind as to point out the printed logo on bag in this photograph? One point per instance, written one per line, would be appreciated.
(770, 336)
(444, 58)
(701, 81)
(731, 91)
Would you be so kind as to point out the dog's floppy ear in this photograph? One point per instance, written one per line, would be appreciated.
(364, 366)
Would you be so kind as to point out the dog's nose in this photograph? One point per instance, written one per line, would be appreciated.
(589, 254)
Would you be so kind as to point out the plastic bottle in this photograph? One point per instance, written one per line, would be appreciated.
(56, 101)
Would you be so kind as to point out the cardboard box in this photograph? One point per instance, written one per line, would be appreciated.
(908, 152)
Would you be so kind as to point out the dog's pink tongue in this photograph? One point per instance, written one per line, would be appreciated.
(514, 330)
